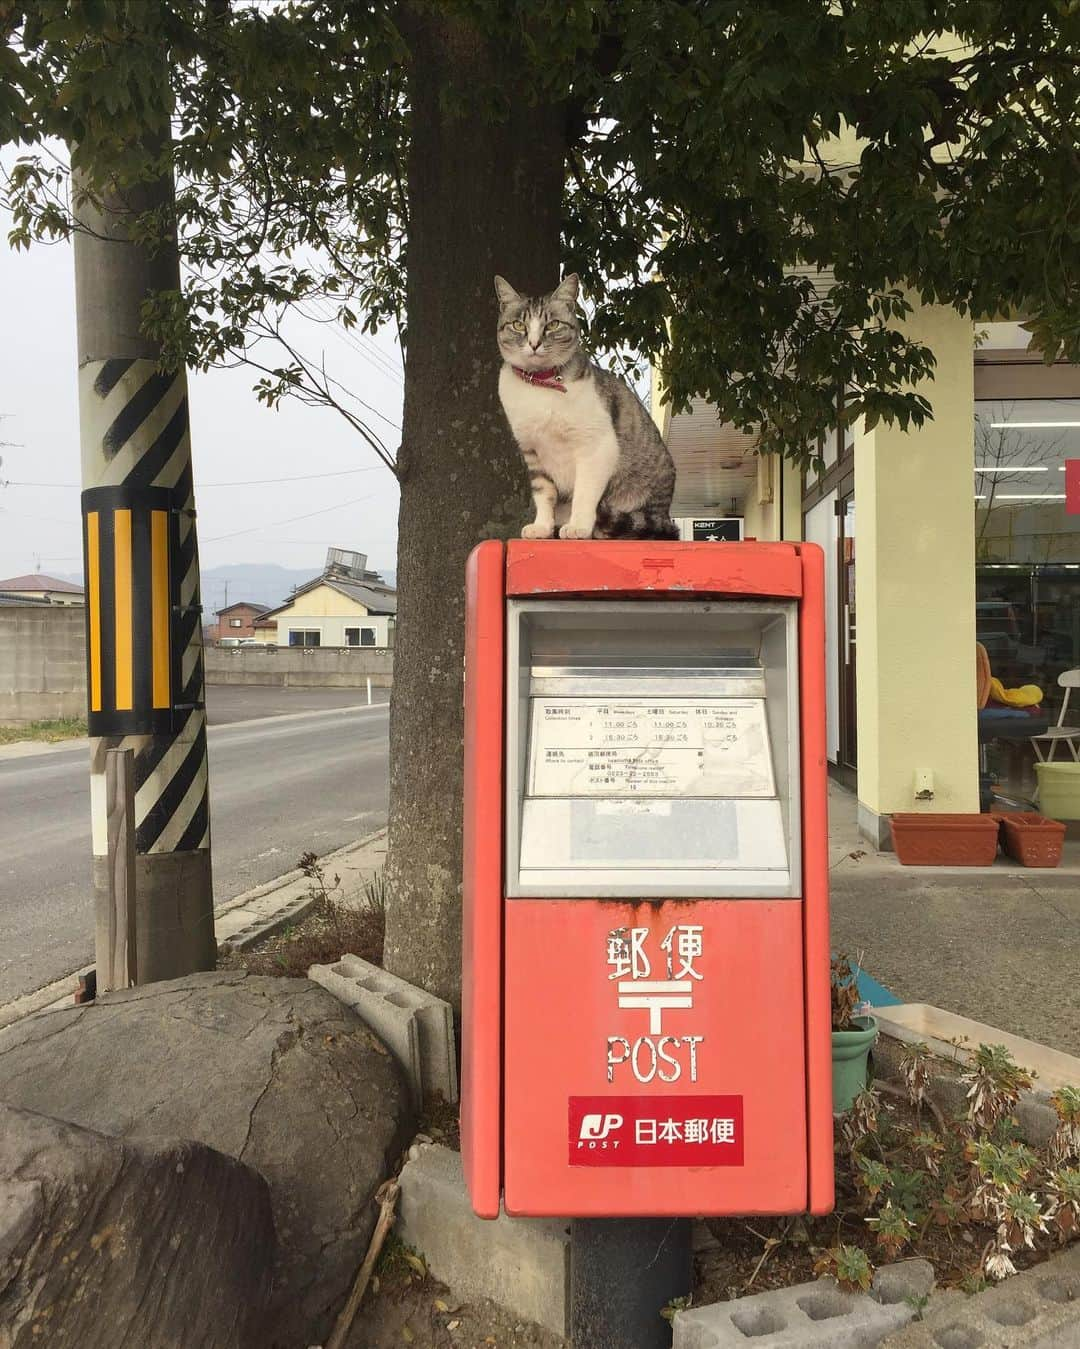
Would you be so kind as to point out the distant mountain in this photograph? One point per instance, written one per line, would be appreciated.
(260, 582)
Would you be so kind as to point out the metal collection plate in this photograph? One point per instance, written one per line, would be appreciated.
(650, 747)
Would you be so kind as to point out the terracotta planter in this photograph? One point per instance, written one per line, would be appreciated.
(945, 840)
(1032, 839)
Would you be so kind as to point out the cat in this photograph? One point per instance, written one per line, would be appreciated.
(598, 467)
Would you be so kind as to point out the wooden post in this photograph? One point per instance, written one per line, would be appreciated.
(120, 815)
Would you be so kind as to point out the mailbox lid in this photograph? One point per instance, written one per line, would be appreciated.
(625, 567)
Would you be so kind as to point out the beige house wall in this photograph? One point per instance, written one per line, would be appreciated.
(321, 602)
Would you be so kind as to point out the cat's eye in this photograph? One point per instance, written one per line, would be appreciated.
(518, 326)
(554, 326)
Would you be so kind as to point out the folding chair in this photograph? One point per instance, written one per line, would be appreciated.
(1069, 680)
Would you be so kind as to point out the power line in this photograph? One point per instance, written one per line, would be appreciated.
(368, 350)
(304, 477)
(273, 524)
(250, 482)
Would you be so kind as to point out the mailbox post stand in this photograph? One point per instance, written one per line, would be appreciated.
(623, 1272)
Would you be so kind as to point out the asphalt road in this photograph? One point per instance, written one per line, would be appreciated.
(290, 771)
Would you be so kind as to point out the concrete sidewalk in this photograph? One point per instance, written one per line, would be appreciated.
(999, 944)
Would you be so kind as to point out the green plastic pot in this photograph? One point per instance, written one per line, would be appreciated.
(850, 1051)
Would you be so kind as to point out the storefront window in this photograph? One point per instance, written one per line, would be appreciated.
(1027, 548)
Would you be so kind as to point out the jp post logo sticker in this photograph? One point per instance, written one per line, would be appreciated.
(656, 1130)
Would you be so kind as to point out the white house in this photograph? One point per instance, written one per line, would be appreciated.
(346, 606)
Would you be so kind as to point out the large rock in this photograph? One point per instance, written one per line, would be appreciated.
(274, 1072)
(104, 1242)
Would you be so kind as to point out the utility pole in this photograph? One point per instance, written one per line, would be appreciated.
(144, 618)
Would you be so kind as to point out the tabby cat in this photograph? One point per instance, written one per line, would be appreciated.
(596, 461)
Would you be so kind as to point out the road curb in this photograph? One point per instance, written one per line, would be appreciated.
(41, 999)
(34, 749)
(239, 923)
(268, 908)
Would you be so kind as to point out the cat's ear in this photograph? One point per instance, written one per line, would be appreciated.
(567, 289)
(505, 291)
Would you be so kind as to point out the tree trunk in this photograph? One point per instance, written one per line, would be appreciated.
(485, 196)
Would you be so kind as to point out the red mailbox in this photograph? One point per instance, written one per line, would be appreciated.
(646, 932)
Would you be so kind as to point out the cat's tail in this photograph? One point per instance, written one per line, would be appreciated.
(660, 526)
(644, 523)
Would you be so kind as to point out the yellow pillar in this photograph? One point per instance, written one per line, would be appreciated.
(660, 411)
(761, 513)
(791, 524)
(915, 595)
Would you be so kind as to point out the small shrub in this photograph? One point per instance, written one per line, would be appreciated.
(994, 1085)
(849, 1265)
(892, 1229)
(331, 928)
(1065, 1144)
(975, 1169)
(915, 1070)
(1063, 1203)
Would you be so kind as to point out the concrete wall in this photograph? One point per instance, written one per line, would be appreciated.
(311, 667)
(42, 663)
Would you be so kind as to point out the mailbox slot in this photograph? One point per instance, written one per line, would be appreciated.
(652, 749)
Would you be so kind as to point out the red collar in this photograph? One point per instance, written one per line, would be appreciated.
(545, 379)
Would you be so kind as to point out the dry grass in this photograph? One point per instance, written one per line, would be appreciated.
(331, 929)
(64, 728)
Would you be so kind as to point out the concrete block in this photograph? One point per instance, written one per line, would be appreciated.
(415, 1026)
(906, 1279)
(1038, 1309)
(523, 1264)
(802, 1317)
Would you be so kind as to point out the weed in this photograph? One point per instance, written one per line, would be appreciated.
(331, 928)
(62, 728)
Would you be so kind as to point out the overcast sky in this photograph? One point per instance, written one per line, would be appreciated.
(234, 440)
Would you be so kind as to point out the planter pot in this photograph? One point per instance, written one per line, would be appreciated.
(850, 1050)
(1032, 839)
(945, 840)
(1059, 790)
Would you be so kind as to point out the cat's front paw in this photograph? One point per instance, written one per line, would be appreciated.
(535, 531)
(569, 531)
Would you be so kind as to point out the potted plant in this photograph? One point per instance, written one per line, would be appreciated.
(852, 1035)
